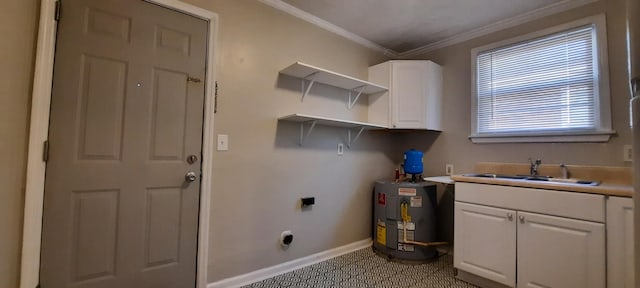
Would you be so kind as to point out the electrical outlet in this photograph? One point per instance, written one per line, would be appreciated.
(628, 153)
(340, 149)
(448, 169)
(223, 142)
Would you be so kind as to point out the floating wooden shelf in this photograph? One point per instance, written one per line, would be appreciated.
(312, 74)
(312, 121)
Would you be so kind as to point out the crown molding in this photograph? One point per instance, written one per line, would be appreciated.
(497, 26)
(287, 8)
(459, 38)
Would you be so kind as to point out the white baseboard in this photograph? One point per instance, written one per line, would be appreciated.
(285, 267)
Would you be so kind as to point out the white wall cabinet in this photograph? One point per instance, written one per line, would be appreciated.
(565, 249)
(620, 242)
(414, 99)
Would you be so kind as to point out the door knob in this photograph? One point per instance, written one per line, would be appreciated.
(190, 176)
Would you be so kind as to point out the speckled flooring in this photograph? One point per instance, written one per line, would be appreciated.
(363, 268)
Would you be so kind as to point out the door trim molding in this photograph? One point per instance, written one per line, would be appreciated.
(39, 130)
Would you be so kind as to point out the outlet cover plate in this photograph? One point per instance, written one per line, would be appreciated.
(223, 142)
(628, 153)
(448, 169)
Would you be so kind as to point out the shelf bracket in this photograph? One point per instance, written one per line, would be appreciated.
(354, 138)
(312, 80)
(357, 90)
(304, 137)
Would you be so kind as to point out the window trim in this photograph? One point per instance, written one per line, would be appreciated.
(603, 131)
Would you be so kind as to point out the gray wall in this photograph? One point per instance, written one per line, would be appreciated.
(18, 28)
(258, 183)
(453, 145)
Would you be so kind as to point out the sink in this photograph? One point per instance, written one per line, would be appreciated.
(581, 182)
(501, 176)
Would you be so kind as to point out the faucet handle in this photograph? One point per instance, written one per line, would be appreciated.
(536, 162)
(564, 171)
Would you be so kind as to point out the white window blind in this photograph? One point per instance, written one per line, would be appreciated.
(542, 85)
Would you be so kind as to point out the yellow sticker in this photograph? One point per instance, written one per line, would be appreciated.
(381, 236)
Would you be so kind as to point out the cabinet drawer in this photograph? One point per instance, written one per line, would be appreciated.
(575, 205)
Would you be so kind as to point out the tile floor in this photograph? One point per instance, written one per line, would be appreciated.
(363, 268)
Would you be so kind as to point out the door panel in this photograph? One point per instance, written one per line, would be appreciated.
(173, 41)
(169, 115)
(94, 234)
(485, 242)
(102, 108)
(560, 252)
(118, 211)
(163, 226)
(107, 24)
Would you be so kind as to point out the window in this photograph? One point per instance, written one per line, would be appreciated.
(548, 86)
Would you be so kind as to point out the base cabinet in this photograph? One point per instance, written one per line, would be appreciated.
(620, 242)
(524, 237)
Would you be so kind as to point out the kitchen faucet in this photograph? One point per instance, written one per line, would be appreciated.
(533, 170)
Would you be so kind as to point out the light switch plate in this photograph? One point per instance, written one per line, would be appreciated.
(223, 142)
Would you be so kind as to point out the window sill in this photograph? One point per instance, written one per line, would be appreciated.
(586, 137)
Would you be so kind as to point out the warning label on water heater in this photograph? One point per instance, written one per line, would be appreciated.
(416, 201)
(407, 191)
(381, 233)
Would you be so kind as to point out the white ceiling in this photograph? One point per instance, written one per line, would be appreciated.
(402, 26)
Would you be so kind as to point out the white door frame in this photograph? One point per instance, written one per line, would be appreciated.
(39, 130)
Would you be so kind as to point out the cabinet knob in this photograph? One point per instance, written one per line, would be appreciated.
(510, 216)
(521, 219)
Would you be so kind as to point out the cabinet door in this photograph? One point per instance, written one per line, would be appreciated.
(560, 252)
(408, 89)
(485, 242)
(620, 271)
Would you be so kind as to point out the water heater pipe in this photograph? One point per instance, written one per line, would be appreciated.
(406, 218)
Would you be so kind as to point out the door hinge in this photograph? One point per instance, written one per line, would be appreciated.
(57, 12)
(215, 98)
(45, 151)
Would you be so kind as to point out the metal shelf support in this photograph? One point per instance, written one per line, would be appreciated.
(357, 90)
(304, 137)
(312, 80)
(351, 141)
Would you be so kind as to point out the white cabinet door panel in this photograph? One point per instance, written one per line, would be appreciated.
(560, 252)
(620, 266)
(408, 80)
(485, 242)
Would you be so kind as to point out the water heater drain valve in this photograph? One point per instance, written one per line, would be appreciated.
(286, 238)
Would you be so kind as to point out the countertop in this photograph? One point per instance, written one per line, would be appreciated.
(615, 181)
